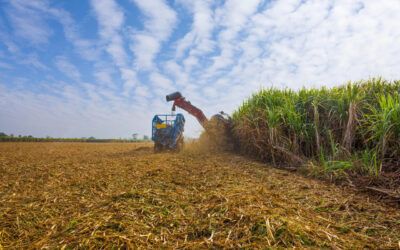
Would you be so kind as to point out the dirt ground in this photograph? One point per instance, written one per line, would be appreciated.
(121, 195)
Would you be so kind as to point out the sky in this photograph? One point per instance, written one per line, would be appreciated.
(102, 68)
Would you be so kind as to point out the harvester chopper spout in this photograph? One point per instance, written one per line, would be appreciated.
(181, 102)
(219, 123)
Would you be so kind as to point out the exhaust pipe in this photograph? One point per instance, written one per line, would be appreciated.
(174, 96)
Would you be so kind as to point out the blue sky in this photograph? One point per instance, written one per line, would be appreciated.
(103, 67)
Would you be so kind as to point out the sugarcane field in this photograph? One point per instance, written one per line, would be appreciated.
(199, 124)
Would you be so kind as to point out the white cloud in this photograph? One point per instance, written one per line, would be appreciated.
(33, 60)
(12, 47)
(5, 65)
(104, 76)
(160, 18)
(176, 70)
(145, 48)
(159, 23)
(29, 18)
(27, 21)
(162, 85)
(198, 40)
(233, 17)
(324, 42)
(85, 48)
(66, 67)
(129, 76)
(143, 92)
(111, 18)
(23, 112)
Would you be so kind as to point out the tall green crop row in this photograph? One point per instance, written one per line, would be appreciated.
(356, 125)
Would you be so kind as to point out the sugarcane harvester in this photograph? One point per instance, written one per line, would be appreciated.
(169, 133)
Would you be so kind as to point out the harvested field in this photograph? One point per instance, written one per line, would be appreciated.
(122, 195)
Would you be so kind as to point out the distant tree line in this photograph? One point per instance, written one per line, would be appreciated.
(11, 138)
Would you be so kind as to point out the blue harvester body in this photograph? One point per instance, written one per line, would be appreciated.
(167, 131)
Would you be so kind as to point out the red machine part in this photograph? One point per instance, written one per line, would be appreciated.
(196, 112)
